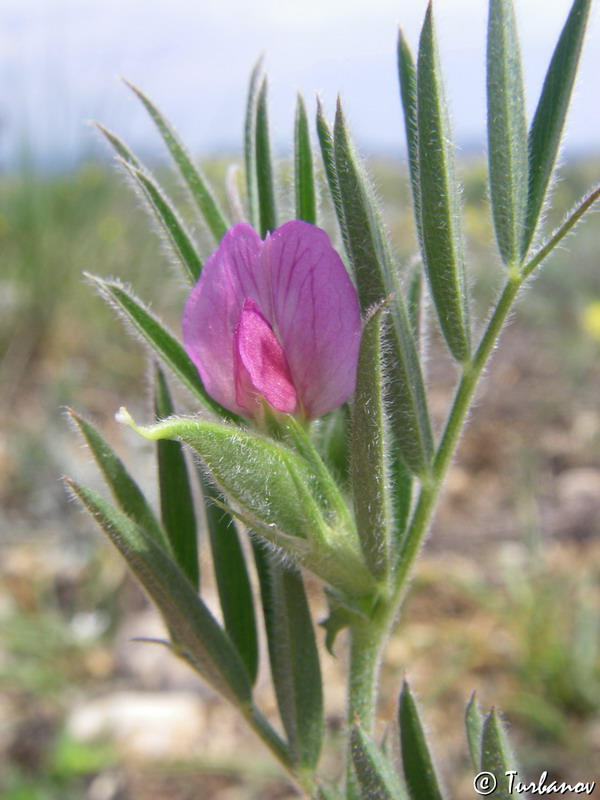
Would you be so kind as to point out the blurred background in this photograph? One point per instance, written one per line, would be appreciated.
(506, 600)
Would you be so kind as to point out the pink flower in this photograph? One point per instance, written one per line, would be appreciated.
(277, 319)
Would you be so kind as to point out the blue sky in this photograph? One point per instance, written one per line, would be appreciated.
(59, 60)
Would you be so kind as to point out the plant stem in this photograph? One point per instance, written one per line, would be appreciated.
(367, 638)
(564, 229)
(454, 425)
(365, 651)
(279, 748)
(472, 372)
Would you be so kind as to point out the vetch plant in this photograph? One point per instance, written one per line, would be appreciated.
(278, 332)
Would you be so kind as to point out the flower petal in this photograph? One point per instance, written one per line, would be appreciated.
(260, 363)
(213, 309)
(305, 297)
(315, 315)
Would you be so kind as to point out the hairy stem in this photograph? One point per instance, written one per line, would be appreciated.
(472, 372)
(279, 748)
(564, 229)
(430, 490)
(367, 638)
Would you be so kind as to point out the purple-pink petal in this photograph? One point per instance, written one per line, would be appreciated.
(260, 364)
(297, 319)
(213, 309)
(316, 313)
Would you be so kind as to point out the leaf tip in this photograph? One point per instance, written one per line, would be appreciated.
(128, 83)
(123, 417)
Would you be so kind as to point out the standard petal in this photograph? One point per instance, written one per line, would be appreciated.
(315, 315)
(260, 364)
(213, 309)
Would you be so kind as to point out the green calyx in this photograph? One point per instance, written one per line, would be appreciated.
(283, 494)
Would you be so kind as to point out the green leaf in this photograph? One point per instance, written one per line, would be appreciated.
(407, 74)
(233, 583)
(367, 245)
(250, 145)
(294, 658)
(304, 182)
(418, 767)
(195, 634)
(474, 725)
(176, 501)
(159, 206)
(264, 165)
(119, 146)
(178, 236)
(328, 155)
(507, 131)
(368, 452)
(125, 490)
(160, 340)
(199, 188)
(549, 119)
(415, 301)
(376, 279)
(496, 755)
(375, 775)
(442, 245)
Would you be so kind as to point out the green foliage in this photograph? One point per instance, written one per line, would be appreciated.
(126, 492)
(265, 179)
(233, 581)
(153, 333)
(407, 74)
(439, 205)
(368, 460)
(168, 219)
(250, 146)
(176, 501)
(201, 192)
(326, 145)
(195, 634)
(419, 772)
(551, 112)
(507, 131)
(294, 658)
(304, 182)
(369, 252)
(474, 725)
(375, 775)
(496, 755)
(160, 207)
